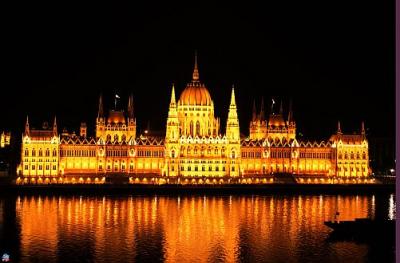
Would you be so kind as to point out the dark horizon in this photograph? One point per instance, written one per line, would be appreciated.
(335, 61)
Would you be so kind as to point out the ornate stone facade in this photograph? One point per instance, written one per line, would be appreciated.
(193, 150)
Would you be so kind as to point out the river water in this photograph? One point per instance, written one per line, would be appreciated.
(186, 228)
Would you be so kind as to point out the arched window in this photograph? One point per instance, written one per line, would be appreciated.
(108, 137)
(364, 156)
(26, 152)
(173, 153)
(198, 128)
(40, 152)
(188, 150)
(191, 127)
(195, 150)
(358, 155)
(352, 155)
(346, 155)
(233, 154)
(47, 152)
(216, 151)
(116, 137)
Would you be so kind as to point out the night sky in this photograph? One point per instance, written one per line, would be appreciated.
(334, 59)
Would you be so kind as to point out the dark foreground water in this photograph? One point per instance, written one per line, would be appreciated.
(287, 228)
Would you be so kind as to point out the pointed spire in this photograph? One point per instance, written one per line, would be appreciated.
(233, 99)
(262, 115)
(362, 128)
(55, 125)
(290, 114)
(339, 130)
(100, 113)
(281, 108)
(130, 106)
(254, 110)
(27, 126)
(173, 101)
(195, 70)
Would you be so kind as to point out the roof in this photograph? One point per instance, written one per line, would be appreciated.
(348, 138)
(116, 117)
(195, 93)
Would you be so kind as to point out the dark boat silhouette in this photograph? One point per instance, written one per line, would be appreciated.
(362, 229)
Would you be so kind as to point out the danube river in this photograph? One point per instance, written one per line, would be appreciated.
(186, 228)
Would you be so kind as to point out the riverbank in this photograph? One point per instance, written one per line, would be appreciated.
(201, 189)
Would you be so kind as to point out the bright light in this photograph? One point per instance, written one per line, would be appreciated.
(392, 170)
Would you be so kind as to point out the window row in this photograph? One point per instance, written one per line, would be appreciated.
(40, 152)
(149, 153)
(352, 156)
(315, 155)
(40, 167)
(78, 153)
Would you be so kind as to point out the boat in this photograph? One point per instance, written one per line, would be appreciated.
(364, 228)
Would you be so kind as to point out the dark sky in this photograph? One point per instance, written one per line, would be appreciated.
(335, 59)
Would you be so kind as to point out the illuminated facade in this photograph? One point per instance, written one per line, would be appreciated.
(5, 138)
(193, 150)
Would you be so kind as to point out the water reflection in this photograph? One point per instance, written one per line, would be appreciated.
(183, 228)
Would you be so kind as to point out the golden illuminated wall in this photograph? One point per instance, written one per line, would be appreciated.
(5, 139)
(352, 159)
(39, 156)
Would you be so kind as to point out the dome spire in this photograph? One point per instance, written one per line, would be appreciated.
(195, 76)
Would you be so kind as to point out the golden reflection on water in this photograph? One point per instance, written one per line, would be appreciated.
(183, 228)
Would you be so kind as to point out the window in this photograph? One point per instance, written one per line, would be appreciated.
(33, 152)
(191, 127)
(217, 168)
(47, 167)
(26, 167)
(26, 152)
(233, 168)
(47, 152)
(198, 128)
(33, 167)
(54, 167)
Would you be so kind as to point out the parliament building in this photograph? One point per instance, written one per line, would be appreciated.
(194, 150)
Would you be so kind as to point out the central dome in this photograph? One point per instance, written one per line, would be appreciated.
(116, 117)
(195, 92)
